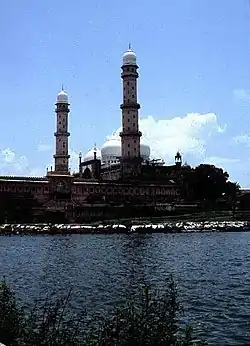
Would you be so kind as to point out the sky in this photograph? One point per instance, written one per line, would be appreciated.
(194, 84)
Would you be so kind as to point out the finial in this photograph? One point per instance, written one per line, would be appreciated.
(95, 147)
(62, 88)
(80, 155)
(129, 46)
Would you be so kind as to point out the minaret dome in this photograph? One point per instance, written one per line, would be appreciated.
(62, 97)
(129, 57)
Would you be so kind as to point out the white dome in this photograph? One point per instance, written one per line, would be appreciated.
(145, 151)
(62, 97)
(90, 154)
(129, 58)
(111, 149)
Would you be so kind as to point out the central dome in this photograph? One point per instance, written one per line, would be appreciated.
(111, 150)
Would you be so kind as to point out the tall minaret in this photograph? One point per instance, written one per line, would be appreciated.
(130, 135)
(61, 155)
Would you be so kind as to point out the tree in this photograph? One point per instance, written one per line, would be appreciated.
(233, 190)
(17, 207)
(209, 182)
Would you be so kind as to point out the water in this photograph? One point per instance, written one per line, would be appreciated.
(212, 272)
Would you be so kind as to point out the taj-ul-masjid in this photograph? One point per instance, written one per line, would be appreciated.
(120, 172)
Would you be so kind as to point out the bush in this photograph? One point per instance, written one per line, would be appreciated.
(11, 317)
(43, 325)
(150, 320)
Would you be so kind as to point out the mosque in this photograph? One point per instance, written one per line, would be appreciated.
(120, 173)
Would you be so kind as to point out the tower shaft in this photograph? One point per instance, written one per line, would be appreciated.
(130, 135)
(61, 153)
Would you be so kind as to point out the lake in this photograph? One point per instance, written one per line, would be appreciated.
(212, 271)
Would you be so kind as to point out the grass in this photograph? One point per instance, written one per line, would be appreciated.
(150, 320)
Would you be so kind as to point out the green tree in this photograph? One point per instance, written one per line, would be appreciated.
(209, 182)
(233, 191)
(16, 207)
(11, 317)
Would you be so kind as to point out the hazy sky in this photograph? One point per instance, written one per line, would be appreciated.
(194, 85)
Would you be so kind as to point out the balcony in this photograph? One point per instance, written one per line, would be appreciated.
(130, 133)
(61, 156)
(61, 133)
(133, 105)
(126, 73)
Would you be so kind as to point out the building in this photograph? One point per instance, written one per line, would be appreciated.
(119, 174)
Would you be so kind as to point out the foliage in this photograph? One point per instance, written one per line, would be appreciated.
(17, 207)
(151, 320)
(154, 321)
(209, 182)
(48, 325)
(44, 325)
(233, 189)
(11, 317)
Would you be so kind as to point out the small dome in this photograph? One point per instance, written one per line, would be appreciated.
(90, 154)
(62, 97)
(129, 58)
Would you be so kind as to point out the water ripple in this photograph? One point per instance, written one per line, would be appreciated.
(212, 271)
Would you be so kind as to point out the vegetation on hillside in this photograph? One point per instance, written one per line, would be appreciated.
(152, 319)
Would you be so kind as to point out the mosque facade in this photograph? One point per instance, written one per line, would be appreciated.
(119, 174)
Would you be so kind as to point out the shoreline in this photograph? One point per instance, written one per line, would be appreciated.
(125, 228)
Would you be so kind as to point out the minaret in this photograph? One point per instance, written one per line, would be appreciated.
(61, 154)
(130, 135)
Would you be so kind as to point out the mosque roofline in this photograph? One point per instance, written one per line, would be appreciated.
(25, 181)
(123, 184)
(55, 174)
(22, 178)
(89, 162)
